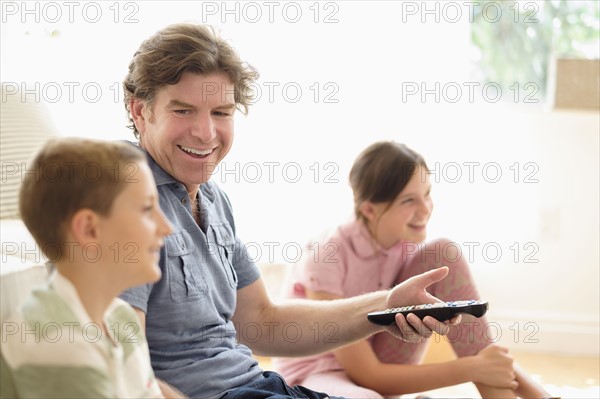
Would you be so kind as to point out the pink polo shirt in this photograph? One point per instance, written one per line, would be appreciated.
(347, 264)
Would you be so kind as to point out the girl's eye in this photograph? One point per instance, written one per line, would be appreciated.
(407, 201)
(148, 208)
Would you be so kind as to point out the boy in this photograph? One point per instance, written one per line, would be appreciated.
(92, 207)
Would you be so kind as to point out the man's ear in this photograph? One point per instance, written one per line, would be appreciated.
(84, 226)
(139, 113)
(368, 210)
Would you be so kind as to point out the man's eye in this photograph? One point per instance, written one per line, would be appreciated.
(221, 113)
(182, 111)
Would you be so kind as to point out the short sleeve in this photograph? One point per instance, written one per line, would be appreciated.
(245, 268)
(324, 268)
(138, 296)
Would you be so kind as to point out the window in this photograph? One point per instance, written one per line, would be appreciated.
(514, 42)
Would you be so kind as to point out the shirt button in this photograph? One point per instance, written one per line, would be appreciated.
(184, 200)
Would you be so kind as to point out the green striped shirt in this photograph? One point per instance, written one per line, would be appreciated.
(51, 348)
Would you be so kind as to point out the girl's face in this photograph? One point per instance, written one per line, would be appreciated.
(406, 217)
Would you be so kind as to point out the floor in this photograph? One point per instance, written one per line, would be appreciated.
(562, 376)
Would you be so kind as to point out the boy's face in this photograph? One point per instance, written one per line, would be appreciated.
(189, 128)
(132, 235)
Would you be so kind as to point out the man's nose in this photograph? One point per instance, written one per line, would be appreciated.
(204, 128)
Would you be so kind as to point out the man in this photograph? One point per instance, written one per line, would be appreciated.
(211, 307)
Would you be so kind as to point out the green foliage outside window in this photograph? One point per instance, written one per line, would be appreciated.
(515, 41)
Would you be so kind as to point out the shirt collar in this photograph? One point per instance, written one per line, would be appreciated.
(360, 239)
(67, 291)
(161, 177)
(362, 242)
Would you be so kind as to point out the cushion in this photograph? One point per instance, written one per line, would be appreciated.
(24, 127)
(22, 267)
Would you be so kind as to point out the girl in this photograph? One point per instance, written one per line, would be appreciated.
(383, 246)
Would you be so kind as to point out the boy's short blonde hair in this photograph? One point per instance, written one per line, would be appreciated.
(70, 174)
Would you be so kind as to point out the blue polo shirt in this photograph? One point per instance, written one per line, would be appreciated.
(190, 334)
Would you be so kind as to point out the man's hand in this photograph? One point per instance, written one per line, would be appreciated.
(412, 292)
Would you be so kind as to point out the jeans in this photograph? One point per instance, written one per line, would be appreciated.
(273, 387)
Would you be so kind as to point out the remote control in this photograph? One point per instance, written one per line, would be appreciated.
(440, 311)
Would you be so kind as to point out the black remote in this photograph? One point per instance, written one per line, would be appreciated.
(440, 311)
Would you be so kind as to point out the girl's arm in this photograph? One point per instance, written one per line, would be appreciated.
(361, 364)
(528, 388)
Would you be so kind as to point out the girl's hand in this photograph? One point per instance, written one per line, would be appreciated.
(494, 366)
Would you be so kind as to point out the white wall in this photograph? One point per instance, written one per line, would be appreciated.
(364, 59)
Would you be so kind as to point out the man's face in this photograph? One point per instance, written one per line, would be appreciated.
(188, 129)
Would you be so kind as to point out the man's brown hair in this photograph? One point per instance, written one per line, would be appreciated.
(164, 57)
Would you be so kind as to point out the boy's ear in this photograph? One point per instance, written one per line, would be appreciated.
(84, 226)
(138, 114)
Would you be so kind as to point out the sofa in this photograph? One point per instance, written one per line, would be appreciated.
(24, 127)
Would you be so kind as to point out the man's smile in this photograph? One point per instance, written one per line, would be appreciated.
(196, 152)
